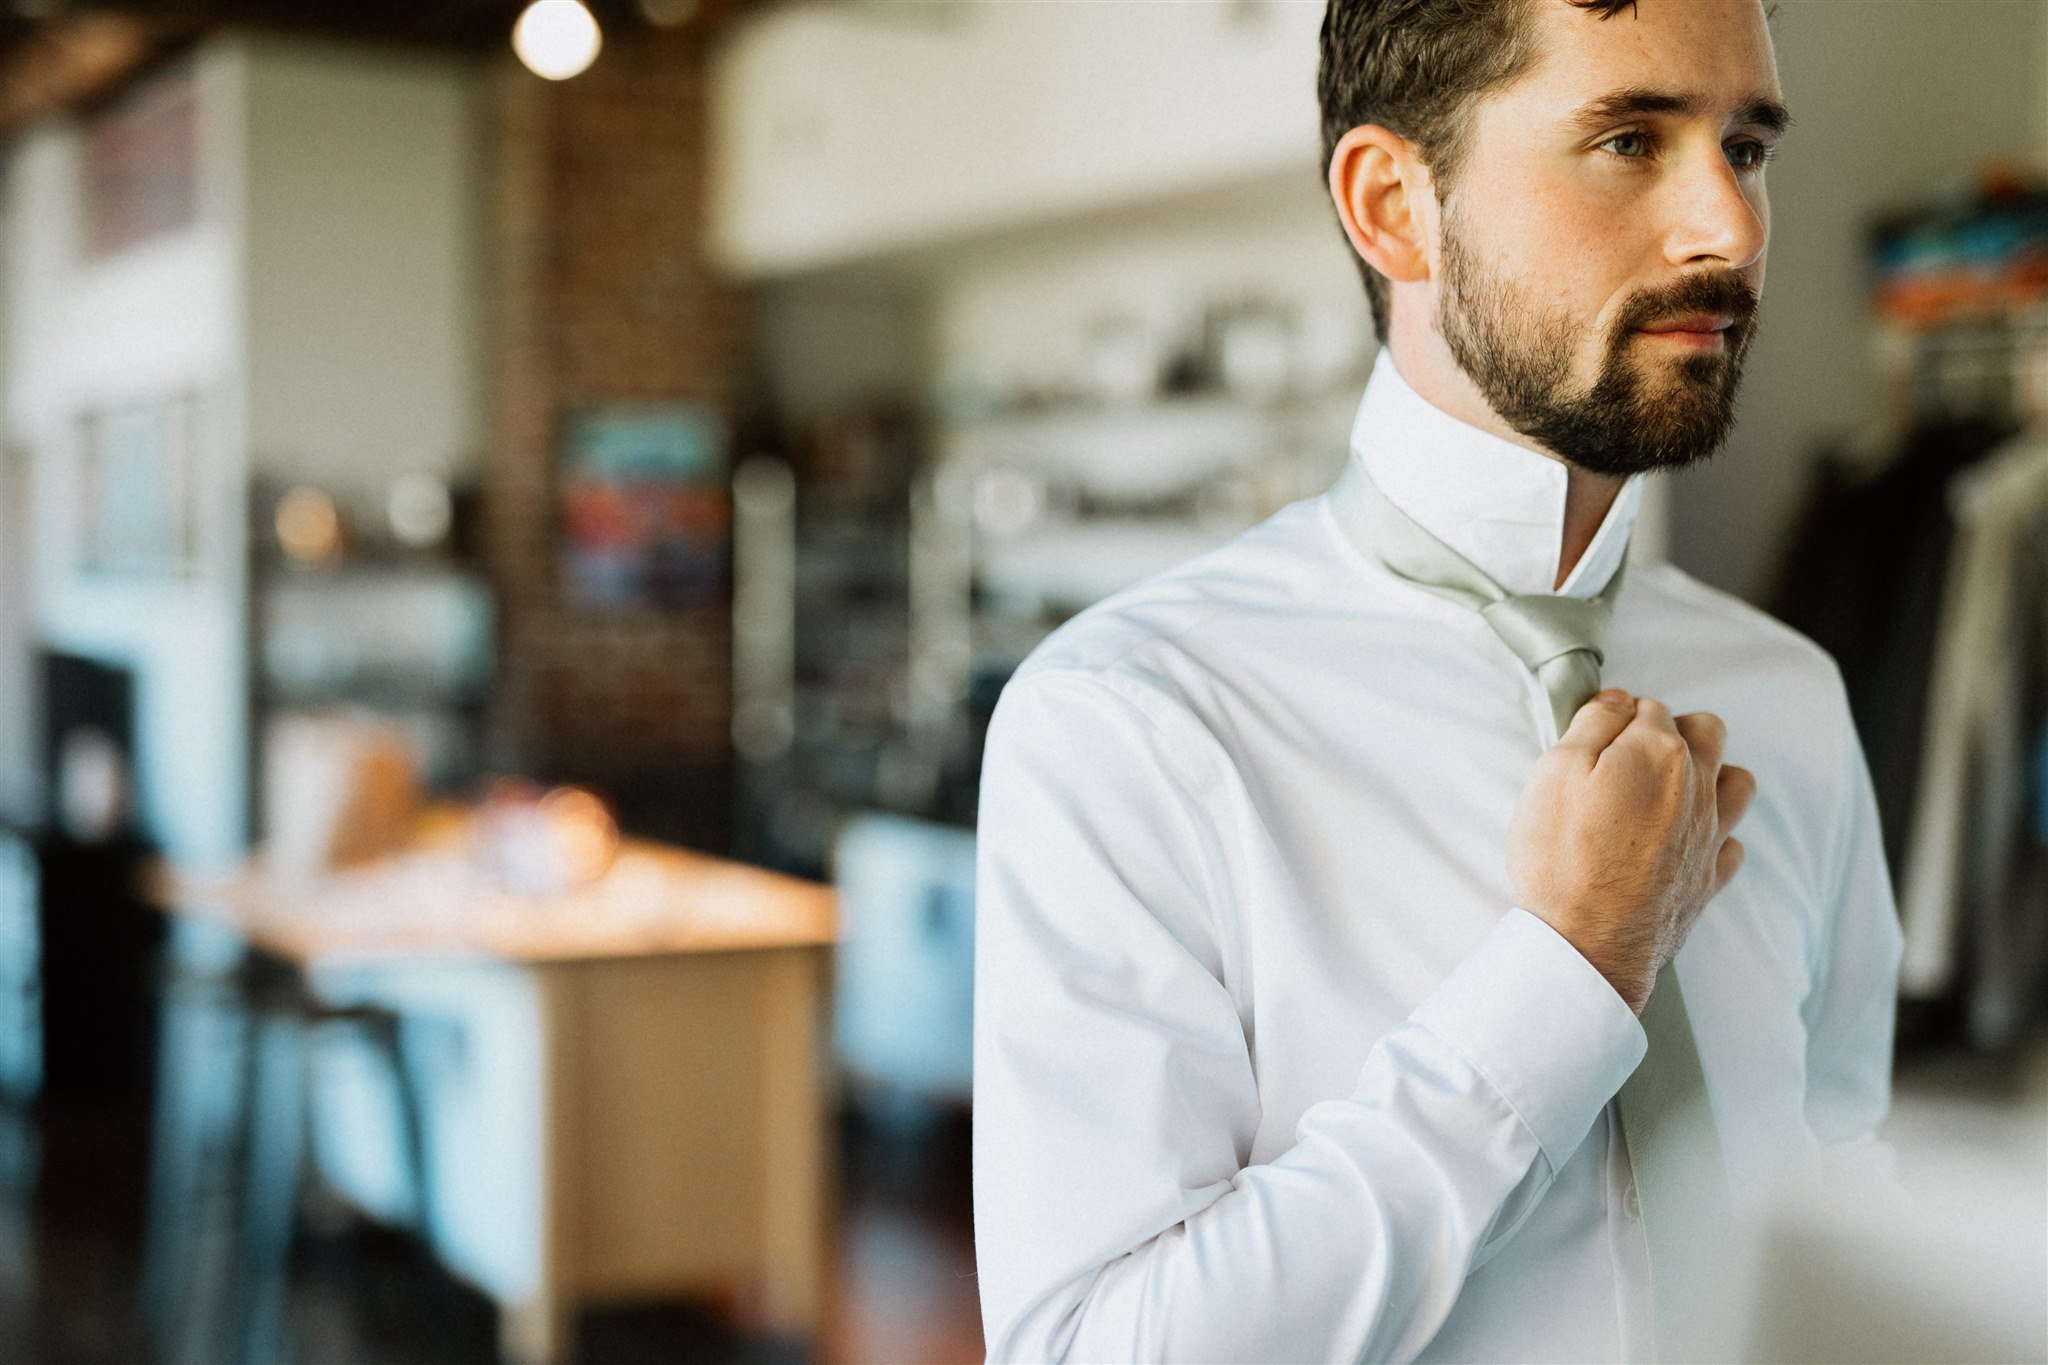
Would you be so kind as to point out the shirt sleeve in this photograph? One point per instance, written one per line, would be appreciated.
(1117, 1216)
(1850, 1013)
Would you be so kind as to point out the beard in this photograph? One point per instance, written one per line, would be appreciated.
(1642, 412)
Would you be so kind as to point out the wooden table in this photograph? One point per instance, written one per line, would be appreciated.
(677, 1088)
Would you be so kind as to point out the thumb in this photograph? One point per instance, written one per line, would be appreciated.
(1597, 723)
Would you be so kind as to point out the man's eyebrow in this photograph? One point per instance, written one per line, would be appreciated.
(1759, 110)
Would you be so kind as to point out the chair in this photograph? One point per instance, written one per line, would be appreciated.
(904, 982)
(228, 1176)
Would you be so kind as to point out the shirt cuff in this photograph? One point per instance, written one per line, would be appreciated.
(1543, 1027)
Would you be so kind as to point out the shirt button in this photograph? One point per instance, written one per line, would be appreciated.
(1631, 1203)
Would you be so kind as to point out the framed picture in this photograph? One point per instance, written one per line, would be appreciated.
(138, 488)
(140, 165)
(645, 510)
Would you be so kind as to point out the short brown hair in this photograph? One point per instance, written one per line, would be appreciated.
(1415, 67)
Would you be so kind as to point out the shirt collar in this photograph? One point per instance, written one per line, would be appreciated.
(1499, 504)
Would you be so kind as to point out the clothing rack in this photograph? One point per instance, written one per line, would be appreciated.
(1975, 948)
(1993, 366)
(1920, 564)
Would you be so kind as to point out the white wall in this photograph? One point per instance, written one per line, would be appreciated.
(840, 131)
(147, 323)
(1889, 101)
(322, 306)
(362, 266)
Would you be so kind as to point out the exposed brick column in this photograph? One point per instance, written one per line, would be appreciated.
(599, 292)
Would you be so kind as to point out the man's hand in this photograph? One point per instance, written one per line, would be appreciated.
(1621, 835)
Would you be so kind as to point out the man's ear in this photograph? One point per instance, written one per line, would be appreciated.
(1382, 189)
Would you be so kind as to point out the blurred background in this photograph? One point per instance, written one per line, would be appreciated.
(512, 523)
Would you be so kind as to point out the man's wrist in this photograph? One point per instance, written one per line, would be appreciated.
(1618, 960)
(1541, 1024)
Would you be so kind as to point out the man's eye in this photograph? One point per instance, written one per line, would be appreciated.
(1750, 156)
(1622, 142)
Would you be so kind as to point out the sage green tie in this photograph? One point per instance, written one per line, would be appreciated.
(1558, 638)
(1673, 1146)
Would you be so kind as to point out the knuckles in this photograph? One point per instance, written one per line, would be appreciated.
(1667, 747)
(1710, 727)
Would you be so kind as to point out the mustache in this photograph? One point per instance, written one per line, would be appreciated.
(1724, 293)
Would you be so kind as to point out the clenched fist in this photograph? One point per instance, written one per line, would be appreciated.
(1621, 835)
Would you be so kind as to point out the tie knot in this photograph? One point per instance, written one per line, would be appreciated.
(1561, 640)
(1539, 627)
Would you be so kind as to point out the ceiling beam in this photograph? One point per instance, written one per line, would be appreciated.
(63, 64)
(59, 55)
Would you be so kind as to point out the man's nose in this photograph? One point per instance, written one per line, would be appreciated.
(1718, 223)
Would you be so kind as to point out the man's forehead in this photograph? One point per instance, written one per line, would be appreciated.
(1685, 58)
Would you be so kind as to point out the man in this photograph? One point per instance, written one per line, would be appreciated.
(1311, 954)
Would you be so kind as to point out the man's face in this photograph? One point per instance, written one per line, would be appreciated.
(1613, 192)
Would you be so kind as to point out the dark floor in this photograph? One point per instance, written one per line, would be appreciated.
(901, 1289)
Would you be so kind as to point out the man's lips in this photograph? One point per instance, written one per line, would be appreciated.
(1696, 323)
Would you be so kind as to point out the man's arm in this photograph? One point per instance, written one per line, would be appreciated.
(1850, 1013)
(1116, 1216)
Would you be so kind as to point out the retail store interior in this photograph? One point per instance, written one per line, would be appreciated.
(508, 554)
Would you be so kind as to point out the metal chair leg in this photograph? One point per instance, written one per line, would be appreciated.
(231, 1159)
(412, 1118)
(195, 1199)
(277, 1121)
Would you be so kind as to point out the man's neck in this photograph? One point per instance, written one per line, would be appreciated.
(1432, 373)
(1587, 498)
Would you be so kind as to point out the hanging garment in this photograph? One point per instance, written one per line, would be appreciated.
(1974, 890)
(1863, 580)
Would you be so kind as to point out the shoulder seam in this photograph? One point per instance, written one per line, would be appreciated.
(1105, 667)
(1138, 698)
(1174, 763)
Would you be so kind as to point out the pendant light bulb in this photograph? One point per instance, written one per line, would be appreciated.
(556, 39)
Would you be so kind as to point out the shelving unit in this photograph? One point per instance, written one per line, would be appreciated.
(1058, 509)
(904, 619)
(407, 635)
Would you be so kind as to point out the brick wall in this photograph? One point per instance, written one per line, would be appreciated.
(600, 293)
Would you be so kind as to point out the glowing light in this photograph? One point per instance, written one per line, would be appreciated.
(420, 510)
(556, 39)
(308, 525)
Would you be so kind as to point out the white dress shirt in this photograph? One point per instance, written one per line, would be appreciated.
(1268, 1064)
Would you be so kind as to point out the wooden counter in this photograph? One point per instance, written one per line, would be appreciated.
(678, 1080)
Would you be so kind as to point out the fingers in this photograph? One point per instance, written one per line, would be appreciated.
(1653, 718)
(1733, 792)
(1694, 741)
(1597, 723)
(1706, 735)
(1726, 862)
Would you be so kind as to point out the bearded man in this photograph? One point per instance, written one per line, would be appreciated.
(1357, 979)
